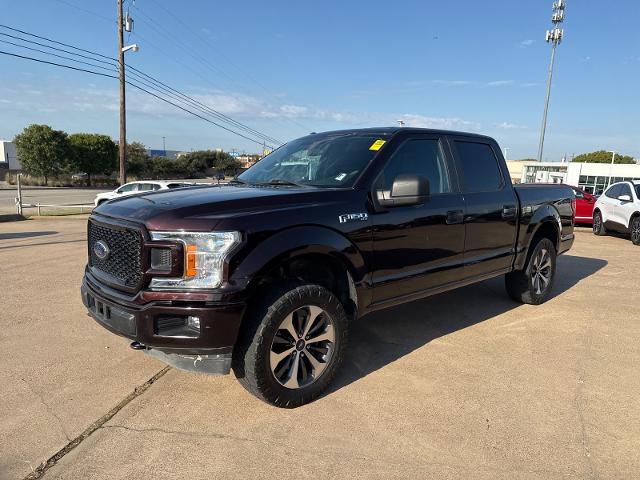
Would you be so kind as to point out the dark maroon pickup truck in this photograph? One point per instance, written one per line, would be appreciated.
(266, 274)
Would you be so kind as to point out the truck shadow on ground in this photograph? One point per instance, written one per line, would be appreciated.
(385, 336)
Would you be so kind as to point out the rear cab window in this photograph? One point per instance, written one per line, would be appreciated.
(479, 165)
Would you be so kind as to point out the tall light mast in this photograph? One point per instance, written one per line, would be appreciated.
(554, 36)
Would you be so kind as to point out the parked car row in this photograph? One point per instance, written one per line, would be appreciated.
(616, 210)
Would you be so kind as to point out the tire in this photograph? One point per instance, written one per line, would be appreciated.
(634, 229)
(534, 284)
(286, 370)
(598, 224)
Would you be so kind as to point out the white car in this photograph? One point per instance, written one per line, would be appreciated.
(139, 187)
(618, 209)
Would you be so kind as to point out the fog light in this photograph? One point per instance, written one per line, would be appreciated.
(193, 323)
(161, 259)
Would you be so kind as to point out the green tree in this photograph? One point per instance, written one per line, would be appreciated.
(190, 165)
(92, 154)
(164, 167)
(200, 160)
(226, 163)
(602, 156)
(138, 160)
(42, 151)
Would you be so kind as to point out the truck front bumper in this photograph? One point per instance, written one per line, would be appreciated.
(167, 329)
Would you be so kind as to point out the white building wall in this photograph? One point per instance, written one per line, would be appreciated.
(594, 177)
(8, 156)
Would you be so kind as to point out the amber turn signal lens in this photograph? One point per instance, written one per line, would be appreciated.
(190, 270)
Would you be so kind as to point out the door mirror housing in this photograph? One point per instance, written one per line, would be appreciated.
(406, 189)
(624, 198)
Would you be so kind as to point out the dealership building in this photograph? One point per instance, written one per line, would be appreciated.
(591, 177)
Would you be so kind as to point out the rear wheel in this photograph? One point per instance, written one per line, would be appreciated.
(533, 284)
(635, 230)
(598, 224)
(292, 345)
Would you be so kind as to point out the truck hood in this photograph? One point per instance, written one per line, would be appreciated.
(202, 208)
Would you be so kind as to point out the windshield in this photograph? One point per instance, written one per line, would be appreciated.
(322, 160)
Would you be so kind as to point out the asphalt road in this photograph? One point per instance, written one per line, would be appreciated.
(51, 196)
(466, 384)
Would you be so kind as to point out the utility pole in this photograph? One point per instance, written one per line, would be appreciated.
(123, 24)
(122, 144)
(554, 36)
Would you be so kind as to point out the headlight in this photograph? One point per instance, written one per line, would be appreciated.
(204, 255)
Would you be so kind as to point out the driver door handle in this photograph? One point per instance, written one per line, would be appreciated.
(454, 217)
(509, 212)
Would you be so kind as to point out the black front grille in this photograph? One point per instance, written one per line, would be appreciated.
(122, 261)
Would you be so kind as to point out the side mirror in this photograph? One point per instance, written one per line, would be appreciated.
(407, 189)
(624, 198)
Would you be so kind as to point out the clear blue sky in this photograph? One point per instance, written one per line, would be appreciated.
(290, 67)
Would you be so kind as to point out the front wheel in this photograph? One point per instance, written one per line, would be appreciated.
(598, 224)
(533, 284)
(291, 345)
(635, 230)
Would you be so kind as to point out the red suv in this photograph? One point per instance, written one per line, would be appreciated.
(584, 206)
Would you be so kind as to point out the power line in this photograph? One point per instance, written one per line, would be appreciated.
(56, 64)
(24, 57)
(140, 75)
(212, 46)
(90, 12)
(55, 55)
(163, 31)
(95, 14)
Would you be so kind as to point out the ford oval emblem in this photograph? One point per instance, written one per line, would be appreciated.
(101, 249)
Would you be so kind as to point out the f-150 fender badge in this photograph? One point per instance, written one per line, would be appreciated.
(353, 217)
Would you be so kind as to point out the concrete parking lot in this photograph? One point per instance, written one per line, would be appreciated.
(467, 384)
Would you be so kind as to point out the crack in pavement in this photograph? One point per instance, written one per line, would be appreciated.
(47, 407)
(578, 404)
(355, 456)
(178, 432)
(139, 390)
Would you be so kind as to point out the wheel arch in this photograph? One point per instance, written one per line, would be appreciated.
(632, 217)
(314, 254)
(545, 223)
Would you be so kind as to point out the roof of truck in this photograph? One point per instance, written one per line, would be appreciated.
(394, 130)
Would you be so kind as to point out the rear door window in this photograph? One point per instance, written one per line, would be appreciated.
(480, 170)
(146, 187)
(131, 187)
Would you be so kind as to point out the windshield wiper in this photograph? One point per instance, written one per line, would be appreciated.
(238, 181)
(281, 181)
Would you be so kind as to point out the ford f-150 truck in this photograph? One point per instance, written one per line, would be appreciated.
(266, 274)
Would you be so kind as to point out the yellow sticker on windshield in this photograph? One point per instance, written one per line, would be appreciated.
(377, 145)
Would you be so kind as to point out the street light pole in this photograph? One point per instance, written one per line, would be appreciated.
(613, 159)
(555, 37)
(122, 144)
